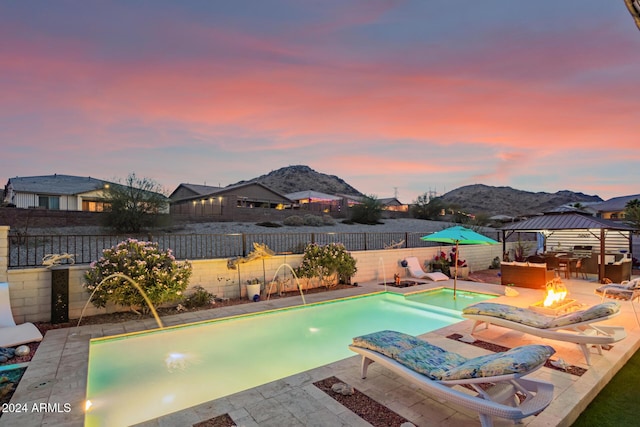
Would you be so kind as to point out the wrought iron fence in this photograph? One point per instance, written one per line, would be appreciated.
(30, 250)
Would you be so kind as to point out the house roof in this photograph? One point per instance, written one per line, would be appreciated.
(390, 201)
(195, 189)
(615, 204)
(56, 184)
(208, 191)
(567, 221)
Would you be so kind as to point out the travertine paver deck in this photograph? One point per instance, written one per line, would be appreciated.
(52, 391)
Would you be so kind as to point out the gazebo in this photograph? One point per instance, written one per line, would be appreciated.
(573, 230)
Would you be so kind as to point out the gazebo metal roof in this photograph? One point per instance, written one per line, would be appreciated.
(569, 221)
(566, 221)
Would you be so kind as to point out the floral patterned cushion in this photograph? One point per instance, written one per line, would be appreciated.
(439, 364)
(616, 291)
(509, 312)
(595, 312)
(389, 343)
(430, 360)
(518, 360)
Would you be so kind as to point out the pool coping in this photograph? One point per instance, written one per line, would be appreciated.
(54, 385)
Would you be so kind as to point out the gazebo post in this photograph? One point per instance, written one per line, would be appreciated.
(601, 264)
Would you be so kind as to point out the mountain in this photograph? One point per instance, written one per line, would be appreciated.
(296, 178)
(479, 198)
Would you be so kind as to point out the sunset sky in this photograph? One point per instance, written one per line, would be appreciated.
(394, 97)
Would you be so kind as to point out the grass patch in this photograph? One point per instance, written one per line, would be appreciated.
(614, 406)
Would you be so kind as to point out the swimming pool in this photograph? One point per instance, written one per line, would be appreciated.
(133, 378)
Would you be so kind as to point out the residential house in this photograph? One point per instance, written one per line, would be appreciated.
(56, 192)
(613, 208)
(393, 204)
(204, 200)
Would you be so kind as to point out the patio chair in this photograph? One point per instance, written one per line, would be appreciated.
(11, 334)
(576, 327)
(414, 269)
(439, 373)
(628, 290)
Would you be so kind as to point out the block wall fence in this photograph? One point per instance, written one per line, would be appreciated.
(30, 288)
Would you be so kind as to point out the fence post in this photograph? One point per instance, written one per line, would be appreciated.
(4, 253)
(365, 241)
(244, 244)
(406, 239)
(59, 295)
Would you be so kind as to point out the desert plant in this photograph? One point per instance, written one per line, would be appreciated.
(328, 220)
(330, 263)
(495, 263)
(368, 211)
(521, 249)
(134, 205)
(313, 220)
(199, 297)
(157, 273)
(293, 221)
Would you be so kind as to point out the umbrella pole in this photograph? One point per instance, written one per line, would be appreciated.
(455, 274)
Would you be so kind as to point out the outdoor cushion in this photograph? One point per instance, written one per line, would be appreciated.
(509, 312)
(389, 343)
(595, 312)
(430, 360)
(440, 364)
(534, 319)
(515, 361)
(616, 291)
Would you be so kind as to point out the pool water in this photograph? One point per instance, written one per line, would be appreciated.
(443, 297)
(133, 378)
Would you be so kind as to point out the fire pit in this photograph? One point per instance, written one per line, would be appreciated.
(556, 308)
(556, 301)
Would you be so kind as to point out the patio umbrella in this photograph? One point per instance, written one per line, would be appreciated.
(458, 235)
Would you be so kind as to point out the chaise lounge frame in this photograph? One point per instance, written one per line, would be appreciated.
(497, 401)
(584, 334)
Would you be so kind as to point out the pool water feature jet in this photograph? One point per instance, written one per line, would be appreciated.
(135, 285)
(384, 273)
(295, 276)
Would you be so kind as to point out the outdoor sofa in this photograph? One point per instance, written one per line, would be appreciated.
(525, 274)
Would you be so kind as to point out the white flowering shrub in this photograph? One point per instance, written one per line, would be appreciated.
(330, 263)
(158, 274)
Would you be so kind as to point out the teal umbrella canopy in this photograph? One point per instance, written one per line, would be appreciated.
(458, 235)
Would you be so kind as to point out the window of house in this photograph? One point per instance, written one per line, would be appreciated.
(49, 202)
(94, 206)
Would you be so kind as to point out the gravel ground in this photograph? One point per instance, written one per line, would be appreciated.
(410, 225)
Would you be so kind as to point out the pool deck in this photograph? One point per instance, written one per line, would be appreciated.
(57, 374)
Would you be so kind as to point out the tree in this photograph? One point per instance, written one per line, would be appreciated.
(134, 205)
(368, 211)
(632, 212)
(634, 10)
(427, 208)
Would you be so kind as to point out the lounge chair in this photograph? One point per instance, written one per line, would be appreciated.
(576, 327)
(414, 269)
(628, 290)
(437, 372)
(11, 334)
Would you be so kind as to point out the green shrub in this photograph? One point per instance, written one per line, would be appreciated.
(293, 221)
(368, 211)
(313, 220)
(328, 220)
(157, 273)
(330, 263)
(200, 297)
